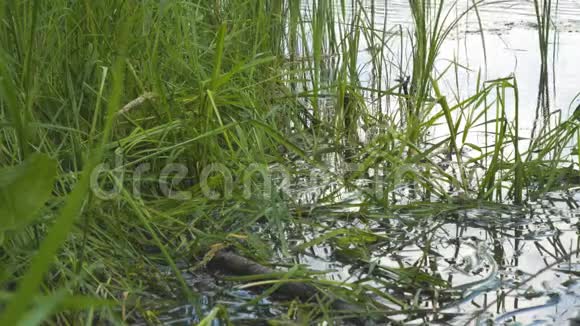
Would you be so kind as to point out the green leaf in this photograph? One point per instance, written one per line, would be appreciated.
(209, 319)
(59, 301)
(321, 239)
(473, 146)
(24, 189)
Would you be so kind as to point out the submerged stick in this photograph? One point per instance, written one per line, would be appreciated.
(232, 263)
(238, 265)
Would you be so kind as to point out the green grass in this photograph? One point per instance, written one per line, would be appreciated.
(239, 83)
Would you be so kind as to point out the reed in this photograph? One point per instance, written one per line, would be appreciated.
(308, 85)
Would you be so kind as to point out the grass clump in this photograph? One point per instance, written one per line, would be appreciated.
(144, 136)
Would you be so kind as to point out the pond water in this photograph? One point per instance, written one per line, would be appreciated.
(511, 47)
(520, 265)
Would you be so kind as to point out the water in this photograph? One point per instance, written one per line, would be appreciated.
(484, 253)
(511, 47)
(503, 265)
(519, 264)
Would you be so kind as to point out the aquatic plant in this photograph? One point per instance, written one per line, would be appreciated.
(136, 137)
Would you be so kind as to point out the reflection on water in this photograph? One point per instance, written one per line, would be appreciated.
(522, 265)
(491, 12)
(511, 46)
(502, 264)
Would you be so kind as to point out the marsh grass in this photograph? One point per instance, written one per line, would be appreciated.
(235, 82)
(544, 19)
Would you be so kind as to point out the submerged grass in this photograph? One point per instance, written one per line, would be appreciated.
(119, 94)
